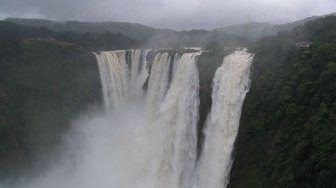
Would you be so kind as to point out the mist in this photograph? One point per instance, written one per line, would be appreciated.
(101, 150)
(147, 139)
(150, 94)
(173, 14)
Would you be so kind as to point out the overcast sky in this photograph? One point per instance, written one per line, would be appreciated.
(175, 14)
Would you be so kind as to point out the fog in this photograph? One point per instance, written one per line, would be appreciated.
(174, 14)
(149, 139)
(102, 150)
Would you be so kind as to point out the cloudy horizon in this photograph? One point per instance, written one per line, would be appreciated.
(172, 14)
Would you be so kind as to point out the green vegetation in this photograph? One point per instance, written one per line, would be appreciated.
(133, 30)
(46, 80)
(112, 35)
(11, 35)
(195, 38)
(257, 30)
(287, 134)
(42, 89)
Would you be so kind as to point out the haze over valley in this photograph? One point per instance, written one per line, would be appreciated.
(167, 94)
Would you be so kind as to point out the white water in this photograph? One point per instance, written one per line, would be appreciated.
(149, 140)
(164, 142)
(157, 83)
(114, 77)
(176, 135)
(119, 83)
(230, 85)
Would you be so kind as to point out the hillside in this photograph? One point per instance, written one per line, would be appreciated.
(94, 33)
(288, 122)
(169, 38)
(133, 30)
(257, 30)
(47, 79)
(287, 130)
(253, 30)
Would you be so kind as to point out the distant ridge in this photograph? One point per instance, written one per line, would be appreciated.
(133, 30)
(251, 30)
(256, 30)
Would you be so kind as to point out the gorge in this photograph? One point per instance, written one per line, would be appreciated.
(160, 115)
(146, 134)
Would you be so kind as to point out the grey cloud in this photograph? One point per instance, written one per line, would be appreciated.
(176, 14)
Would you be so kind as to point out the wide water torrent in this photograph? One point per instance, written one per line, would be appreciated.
(146, 135)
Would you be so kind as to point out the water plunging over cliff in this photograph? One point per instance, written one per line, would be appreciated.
(230, 85)
(146, 136)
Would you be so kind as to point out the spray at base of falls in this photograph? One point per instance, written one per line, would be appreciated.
(148, 139)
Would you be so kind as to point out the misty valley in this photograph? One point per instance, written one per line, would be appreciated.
(124, 105)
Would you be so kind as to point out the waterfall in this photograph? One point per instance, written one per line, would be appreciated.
(157, 83)
(230, 85)
(169, 135)
(173, 114)
(113, 74)
(119, 83)
(147, 138)
(139, 73)
(176, 126)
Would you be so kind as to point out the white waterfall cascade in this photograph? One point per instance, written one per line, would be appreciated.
(176, 126)
(139, 73)
(113, 77)
(157, 83)
(169, 136)
(149, 139)
(119, 83)
(230, 85)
